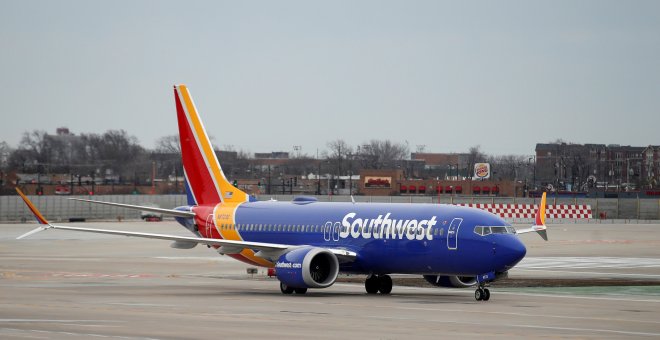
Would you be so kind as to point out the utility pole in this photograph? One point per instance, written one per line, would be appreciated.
(268, 189)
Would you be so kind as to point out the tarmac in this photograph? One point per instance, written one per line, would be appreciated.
(67, 285)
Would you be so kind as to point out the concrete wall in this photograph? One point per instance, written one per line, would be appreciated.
(59, 208)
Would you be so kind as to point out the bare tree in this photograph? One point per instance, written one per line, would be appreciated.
(378, 154)
(337, 154)
(5, 152)
(169, 144)
(509, 167)
(475, 155)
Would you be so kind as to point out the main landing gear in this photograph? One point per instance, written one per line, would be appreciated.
(289, 290)
(378, 283)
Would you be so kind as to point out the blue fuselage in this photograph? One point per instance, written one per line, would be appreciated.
(388, 238)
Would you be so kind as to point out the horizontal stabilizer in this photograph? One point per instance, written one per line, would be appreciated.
(33, 231)
(171, 212)
(182, 242)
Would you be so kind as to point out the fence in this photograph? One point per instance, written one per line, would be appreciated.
(58, 208)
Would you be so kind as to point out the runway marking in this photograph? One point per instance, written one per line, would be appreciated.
(99, 275)
(445, 310)
(574, 329)
(197, 258)
(589, 273)
(588, 262)
(564, 264)
(139, 304)
(57, 321)
(578, 297)
(77, 334)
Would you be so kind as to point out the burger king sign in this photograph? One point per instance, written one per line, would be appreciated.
(482, 170)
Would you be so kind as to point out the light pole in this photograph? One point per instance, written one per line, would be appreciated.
(268, 188)
(533, 171)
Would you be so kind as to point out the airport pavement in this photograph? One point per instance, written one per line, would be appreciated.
(70, 285)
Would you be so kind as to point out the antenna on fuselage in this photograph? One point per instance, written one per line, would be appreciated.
(352, 199)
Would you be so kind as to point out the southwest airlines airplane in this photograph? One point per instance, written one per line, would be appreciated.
(309, 242)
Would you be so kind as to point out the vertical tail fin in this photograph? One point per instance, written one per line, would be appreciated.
(206, 182)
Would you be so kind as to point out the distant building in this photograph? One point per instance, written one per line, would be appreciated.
(580, 167)
(651, 165)
(449, 165)
(271, 155)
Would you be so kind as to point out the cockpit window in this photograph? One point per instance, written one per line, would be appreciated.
(498, 230)
(483, 231)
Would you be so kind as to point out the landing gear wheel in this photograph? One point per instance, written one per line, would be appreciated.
(385, 284)
(371, 284)
(478, 294)
(486, 296)
(300, 290)
(285, 289)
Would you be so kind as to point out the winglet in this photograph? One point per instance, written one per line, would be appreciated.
(539, 222)
(37, 214)
(540, 213)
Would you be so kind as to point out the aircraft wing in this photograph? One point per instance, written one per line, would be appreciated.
(270, 251)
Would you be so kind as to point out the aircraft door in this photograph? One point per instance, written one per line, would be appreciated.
(336, 229)
(209, 226)
(327, 231)
(452, 233)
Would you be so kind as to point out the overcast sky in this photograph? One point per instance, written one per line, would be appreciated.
(270, 75)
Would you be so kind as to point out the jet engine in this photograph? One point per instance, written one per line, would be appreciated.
(307, 267)
(451, 281)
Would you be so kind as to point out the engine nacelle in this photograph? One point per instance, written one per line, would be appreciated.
(451, 281)
(307, 267)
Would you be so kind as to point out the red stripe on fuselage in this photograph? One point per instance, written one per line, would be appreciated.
(206, 227)
(199, 176)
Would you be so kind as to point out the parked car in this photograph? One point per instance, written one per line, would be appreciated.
(151, 216)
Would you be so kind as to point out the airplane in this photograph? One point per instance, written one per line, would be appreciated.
(308, 243)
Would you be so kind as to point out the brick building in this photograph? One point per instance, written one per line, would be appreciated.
(580, 167)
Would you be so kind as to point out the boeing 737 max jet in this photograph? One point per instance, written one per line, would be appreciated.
(309, 242)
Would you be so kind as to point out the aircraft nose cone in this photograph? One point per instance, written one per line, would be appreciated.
(511, 252)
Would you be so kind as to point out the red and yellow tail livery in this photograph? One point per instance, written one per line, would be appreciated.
(206, 181)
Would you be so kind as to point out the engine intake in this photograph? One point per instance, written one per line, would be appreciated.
(308, 267)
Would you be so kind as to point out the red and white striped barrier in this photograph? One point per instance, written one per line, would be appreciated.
(574, 211)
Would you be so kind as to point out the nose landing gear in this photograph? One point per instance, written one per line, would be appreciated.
(482, 293)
